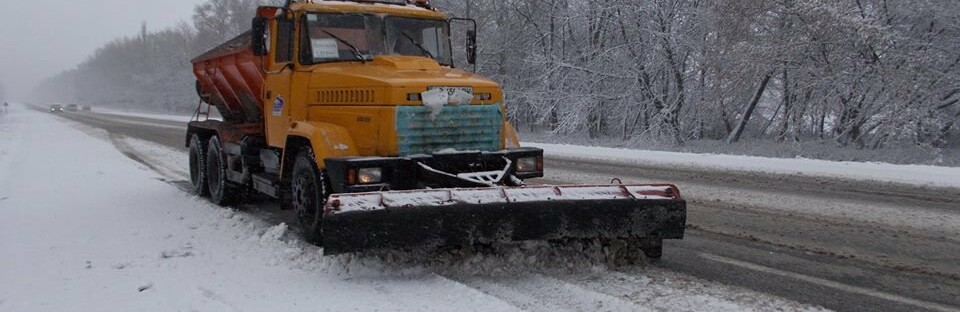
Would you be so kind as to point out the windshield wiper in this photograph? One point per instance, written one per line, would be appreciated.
(417, 44)
(354, 48)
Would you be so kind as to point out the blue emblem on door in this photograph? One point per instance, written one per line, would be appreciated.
(278, 105)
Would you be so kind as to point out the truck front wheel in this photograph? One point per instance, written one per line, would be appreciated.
(221, 193)
(309, 190)
(198, 175)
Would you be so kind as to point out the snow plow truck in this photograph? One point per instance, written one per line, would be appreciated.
(353, 115)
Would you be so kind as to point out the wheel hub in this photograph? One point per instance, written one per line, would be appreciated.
(301, 197)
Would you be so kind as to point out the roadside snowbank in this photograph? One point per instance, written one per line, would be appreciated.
(908, 174)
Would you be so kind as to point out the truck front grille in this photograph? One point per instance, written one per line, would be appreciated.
(463, 128)
(345, 96)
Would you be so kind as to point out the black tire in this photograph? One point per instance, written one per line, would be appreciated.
(221, 192)
(198, 174)
(308, 193)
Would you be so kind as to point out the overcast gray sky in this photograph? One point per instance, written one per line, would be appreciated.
(41, 39)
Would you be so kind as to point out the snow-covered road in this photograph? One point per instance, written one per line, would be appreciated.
(85, 228)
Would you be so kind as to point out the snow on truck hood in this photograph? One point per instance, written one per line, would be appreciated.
(394, 71)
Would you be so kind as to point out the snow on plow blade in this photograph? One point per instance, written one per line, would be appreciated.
(462, 217)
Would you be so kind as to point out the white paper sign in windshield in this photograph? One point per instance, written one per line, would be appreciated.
(324, 48)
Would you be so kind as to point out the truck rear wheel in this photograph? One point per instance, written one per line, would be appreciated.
(309, 189)
(198, 175)
(221, 193)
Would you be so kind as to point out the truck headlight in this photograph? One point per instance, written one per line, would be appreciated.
(369, 175)
(483, 96)
(529, 164)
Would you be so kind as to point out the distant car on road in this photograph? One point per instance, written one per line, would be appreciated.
(73, 108)
(86, 108)
(56, 108)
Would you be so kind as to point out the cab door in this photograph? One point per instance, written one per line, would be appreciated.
(276, 89)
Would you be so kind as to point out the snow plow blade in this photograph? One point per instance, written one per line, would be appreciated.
(463, 217)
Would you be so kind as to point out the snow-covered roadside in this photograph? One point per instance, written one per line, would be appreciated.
(908, 174)
(84, 228)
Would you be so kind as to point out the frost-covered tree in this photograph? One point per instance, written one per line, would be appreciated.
(151, 70)
(860, 74)
(216, 21)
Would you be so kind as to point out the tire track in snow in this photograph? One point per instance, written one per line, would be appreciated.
(538, 292)
(213, 296)
(651, 289)
(138, 151)
(156, 157)
(433, 285)
(657, 289)
(835, 285)
(895, 249)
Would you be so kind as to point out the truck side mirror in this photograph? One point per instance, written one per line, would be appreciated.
(260, 36)
(472, 47)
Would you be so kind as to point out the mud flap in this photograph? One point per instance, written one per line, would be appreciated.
(459, 217)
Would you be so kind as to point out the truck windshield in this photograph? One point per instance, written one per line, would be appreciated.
(410, 36)
(341, 37)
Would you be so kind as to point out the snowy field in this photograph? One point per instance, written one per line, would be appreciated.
(85, 228)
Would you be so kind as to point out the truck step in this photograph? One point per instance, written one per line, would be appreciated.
(266, 184)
